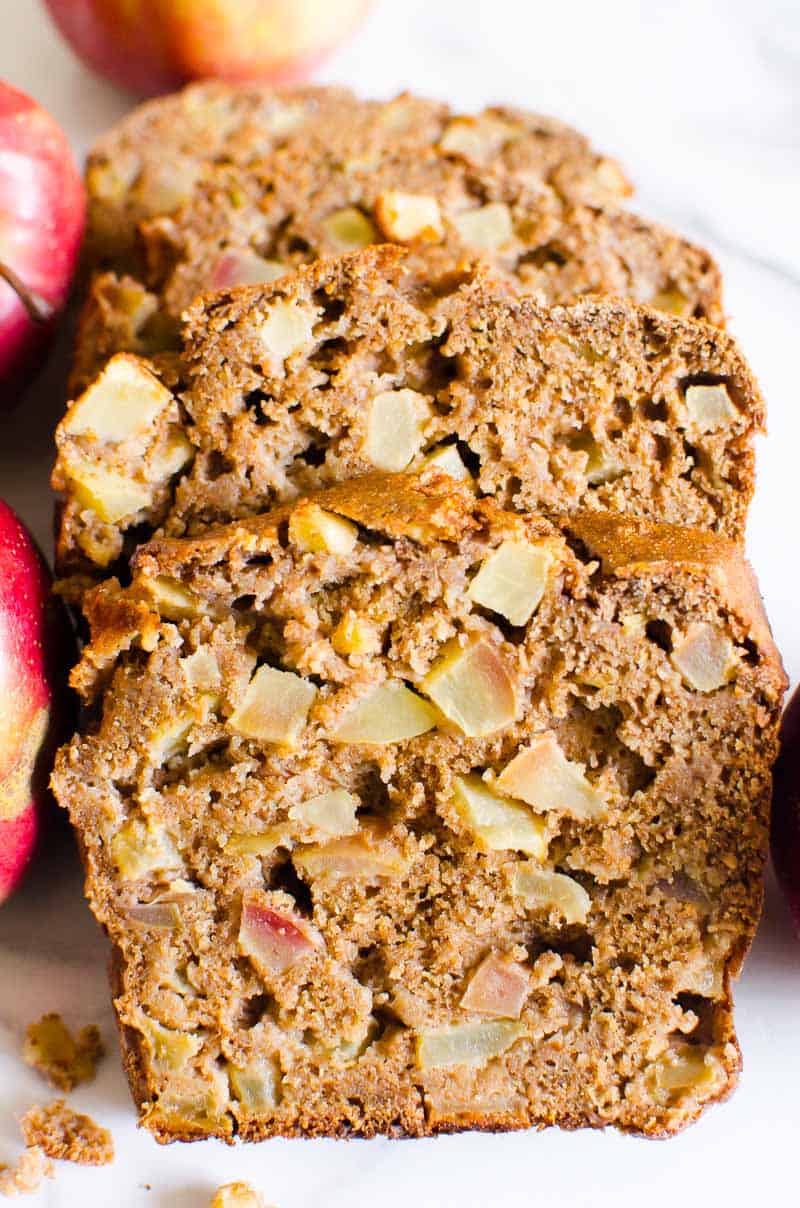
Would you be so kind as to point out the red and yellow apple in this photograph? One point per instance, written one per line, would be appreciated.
(36, 651)
(42, 207)
(152, 46)
(786, 809)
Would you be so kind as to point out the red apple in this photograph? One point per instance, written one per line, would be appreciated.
(152, 46)
(786, 808)
(42, 208)
(36, 651)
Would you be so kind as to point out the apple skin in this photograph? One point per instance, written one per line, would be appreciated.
(42, 212)
(37, 647)
(153, 46)
(786, 809)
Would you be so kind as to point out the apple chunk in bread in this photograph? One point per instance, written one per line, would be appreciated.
(395, 428)
(124, 401)
(498, 987)
(274, 707)
(390, 712)
(541, 775)
(467, 1044)
(705, 657)
(275, 939)
(473, 688)
(497, 823)
(552, 891)
(512, 580)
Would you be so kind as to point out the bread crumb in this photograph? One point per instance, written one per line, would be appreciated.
(65, 1060)
(237, 1195)
(68, 1135)
(32, 1166)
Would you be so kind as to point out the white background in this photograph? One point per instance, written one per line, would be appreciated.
(701, 101)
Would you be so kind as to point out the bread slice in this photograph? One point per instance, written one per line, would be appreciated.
(405, 814)
(152, 161)
(352, 365)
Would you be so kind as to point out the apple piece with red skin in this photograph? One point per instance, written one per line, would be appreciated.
(153, 46)
(275, 939)
(42, 212)
(37, 649)
(786, 809)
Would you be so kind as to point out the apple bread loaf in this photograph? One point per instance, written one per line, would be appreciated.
(353, 365)
(247, 223)
(405, 814)
(152, 161)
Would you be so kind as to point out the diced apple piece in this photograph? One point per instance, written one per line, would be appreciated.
(686, 1068)
(405, 217)
(673, 302)
(366, 856)
(261, 844)
(140, 847)
(355, 635)
(256, 1085)
(174, 601)
(245, 267)
(286, 329)
(473, 688)
(542, 776)
(169, 1049)
(317, 531)
(496, 822)
(447, 459)
(158, 916)
(467, 1044)
(395, 428)
(171, 456)
(201, 670)
(112, 496)
(551, 891)
(512, 580)
(488, 228)
(710, 407)
(332, 814)
(348, 229)
(389, 712)
(170, 184)
(122, 402)
(705, 657)
(169, 739)
(275, 707)
(275, 939)
(610, 183)
(478, 138)
(498, 987)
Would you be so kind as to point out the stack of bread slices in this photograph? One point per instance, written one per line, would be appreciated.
(430, 707)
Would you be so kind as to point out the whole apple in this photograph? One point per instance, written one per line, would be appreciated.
(36, 650)
(42, 210)
(152, 46)
(786, 808)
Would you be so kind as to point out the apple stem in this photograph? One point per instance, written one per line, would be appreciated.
(38, 308)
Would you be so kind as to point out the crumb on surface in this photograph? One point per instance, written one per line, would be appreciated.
(237, 1195)
(63, 1059)
(26, 1176)
(68, 1135)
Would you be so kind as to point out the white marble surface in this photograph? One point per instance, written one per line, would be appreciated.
(701, 100)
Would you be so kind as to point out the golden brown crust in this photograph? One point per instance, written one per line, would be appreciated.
(628, 547)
